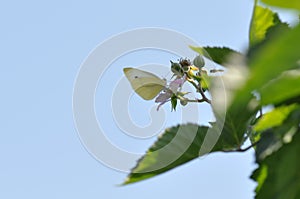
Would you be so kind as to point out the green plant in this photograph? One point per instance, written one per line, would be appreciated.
(268, 74)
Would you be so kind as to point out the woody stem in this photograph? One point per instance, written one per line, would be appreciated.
(200, 90)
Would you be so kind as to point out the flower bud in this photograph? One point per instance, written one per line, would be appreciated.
(183, 102)
(199, 61)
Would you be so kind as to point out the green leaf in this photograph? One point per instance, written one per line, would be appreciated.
(260, 176)
(274, 136)
(176, 146)
(277, 154)
(174, 102)
(237, 122)
(294, 4)
(274, 118)
(276, 56)
(205, 81)
(278, 175)
(262, 20)
(285, 87)
(219, 55)
(265, 24)
(273, 58)
(233, 105)
(277, 28)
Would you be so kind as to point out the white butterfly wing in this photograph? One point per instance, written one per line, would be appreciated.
(145, 84)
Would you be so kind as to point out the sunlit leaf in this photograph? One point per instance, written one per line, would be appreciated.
(262, 20)
(265, 25)
(294, 4)
(274, 118)
(272, 135)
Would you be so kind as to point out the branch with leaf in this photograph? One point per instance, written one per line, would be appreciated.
(267, 75)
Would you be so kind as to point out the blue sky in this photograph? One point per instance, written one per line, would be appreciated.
(42, 47)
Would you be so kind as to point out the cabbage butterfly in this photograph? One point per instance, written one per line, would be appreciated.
(145, 84)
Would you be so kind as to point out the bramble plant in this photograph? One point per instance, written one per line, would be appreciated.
(267, 75)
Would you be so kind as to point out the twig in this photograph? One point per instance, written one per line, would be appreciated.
(241, 150)
(200, 90)
(204, 96)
